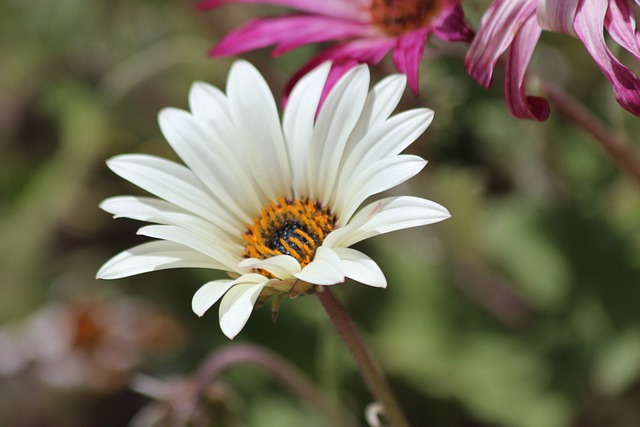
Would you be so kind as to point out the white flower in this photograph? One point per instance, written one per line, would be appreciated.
(272, 204)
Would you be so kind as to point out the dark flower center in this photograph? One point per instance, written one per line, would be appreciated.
(397, 17)
(288, 227)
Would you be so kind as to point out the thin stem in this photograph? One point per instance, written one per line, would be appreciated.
(363, 357)
(613, 143)
(282, 371)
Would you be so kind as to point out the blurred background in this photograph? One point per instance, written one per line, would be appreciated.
(519, 311)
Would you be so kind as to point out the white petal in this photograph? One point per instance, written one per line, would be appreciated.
(212, 161)
(207, 102)
(385, 216)
(378, 177)
(337, 237)
(171, 182)
(209, 294)
(281, 266)
(142, 208)
(210, 105)
(337, 117)
(297, 124)
(222, 251)
(386, 140)
(153, 256)
(255, 117)
(405, 212)
(380, 103)
(325, 269)
(361, 268)
(237, 304)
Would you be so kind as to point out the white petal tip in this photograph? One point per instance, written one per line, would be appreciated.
(104, 273)
(230, 336)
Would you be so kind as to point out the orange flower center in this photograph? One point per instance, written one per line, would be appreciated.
(288, 227)
(397, 17)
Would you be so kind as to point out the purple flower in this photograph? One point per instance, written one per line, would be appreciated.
(365, 30)
(516, 25)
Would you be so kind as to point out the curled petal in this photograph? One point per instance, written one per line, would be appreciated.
(558, 16)
(499, 26)
(519, 104)
(589, 28)
(621, 25)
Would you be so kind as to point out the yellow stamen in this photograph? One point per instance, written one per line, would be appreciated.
(288, 227)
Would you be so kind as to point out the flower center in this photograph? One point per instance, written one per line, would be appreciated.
(397, 17)
(288, 227)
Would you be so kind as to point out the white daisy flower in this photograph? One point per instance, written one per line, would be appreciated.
(274, 205)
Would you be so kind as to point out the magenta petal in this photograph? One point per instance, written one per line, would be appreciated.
(519, 104)
(310, 29)
(453, 26)
(343, 58)
(589, 28)
(407, 56)
(498, 27)
(344, 9)
(288, 32)
(621, 25)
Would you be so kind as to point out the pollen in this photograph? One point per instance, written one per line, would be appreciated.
(397, 17)
(288, 227)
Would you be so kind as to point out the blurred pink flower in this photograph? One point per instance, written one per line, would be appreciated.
(516, 25)
(89, 343)
(365, 30)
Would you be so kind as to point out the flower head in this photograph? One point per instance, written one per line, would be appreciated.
(517, 24)
(275, 206)
(365, 30)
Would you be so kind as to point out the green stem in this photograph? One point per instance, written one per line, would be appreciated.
(363, 357)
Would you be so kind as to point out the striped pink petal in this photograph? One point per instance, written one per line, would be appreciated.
(519, 104)
(558, 16)
(621, 25)
(589, 27)
(499, 26)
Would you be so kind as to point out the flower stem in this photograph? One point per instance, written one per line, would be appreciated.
(363, 357)
(297, 382)
(613, 143)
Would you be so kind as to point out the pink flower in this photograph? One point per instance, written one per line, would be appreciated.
(365, 30)
(517, 24)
